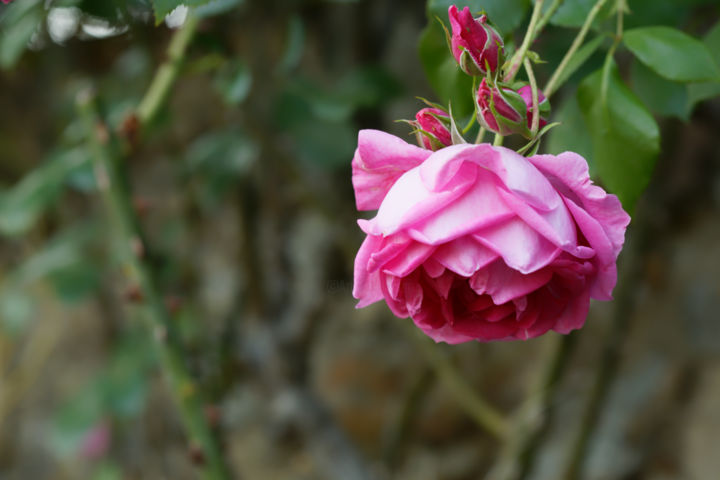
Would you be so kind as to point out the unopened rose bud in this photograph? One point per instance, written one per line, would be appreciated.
(433, 128)
(506, 111)
(476, 46)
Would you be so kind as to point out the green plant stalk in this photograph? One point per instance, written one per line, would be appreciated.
(535, 125)
(519, 56)
(474, 405)
(481, 135)
(611, 53)
(532, 417)
(113, 186)
(166, 75)
(553, 83)
(547, 16)
(498, 141)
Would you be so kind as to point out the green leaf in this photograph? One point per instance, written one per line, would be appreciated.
(661, 96)
(163, 7)
(22, 205)
(217, 7)
(625, 136)
(672, 54)
(234, 81)
(21, 20)
(702, 91)
(295, 45)
(506, 15)
(572, 13)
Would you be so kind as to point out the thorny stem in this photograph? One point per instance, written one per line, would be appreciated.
(533, 416)
(553, 84)
(519, 56)
(167, 73)
(113, 186)
(547, 16)
(474, 405)
(535, 103)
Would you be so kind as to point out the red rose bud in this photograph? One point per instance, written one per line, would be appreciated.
(505, 111)
(477, 47)
(543, 105)
(433, 128)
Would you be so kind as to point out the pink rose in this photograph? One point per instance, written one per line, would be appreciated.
(476, 242)
(476, 46)
(433, 127)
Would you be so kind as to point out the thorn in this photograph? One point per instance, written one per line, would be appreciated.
(134, 294)
(137, 247)
(173, 303)
(212, 415)
(141, 205)
(130, 128)
(197, 456)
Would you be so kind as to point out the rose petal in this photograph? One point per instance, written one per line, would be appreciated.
(464, 256)
(522, 248)
(379, 161)
(569, 174)
(366, 286)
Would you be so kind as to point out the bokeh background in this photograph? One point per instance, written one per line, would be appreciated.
(243, 188)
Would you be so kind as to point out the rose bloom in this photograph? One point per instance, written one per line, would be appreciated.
(476, 242)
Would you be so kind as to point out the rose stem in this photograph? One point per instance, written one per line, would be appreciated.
(553, 83)
(519, 56)
(474, 405)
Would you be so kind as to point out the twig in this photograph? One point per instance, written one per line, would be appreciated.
(533, 88)
(112, 182)
(547, 16)
(474, 405)
(167, 73)
(533, 417)
(519, 56)
(553, 83)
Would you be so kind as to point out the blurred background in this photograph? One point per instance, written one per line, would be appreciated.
(242, 185)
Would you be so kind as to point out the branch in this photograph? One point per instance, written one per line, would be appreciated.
(112, 183)
(167, 73)
(519, 56)
(553, 83)
(474, 405)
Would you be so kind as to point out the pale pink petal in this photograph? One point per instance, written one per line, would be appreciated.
(478, 207)
(366, 286)
(410, 259)
(598, 240)
(464, 256)
(520, 246)
(556, 225)
(409, 201)
(504, 284)
(379, 161)
(569, 172)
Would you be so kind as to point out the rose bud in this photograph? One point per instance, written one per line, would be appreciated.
(476, 242)
(433, 128)
(505, 111)
(476, 46)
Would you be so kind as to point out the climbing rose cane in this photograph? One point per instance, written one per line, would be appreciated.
(476, 242)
